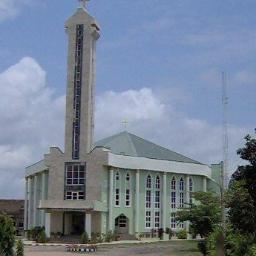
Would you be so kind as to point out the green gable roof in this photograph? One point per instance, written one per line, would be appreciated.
(128, 144)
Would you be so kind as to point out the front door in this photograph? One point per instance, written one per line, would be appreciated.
(77, 223)
(122, 224)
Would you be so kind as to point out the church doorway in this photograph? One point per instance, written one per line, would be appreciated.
(122, 224)
(77, 223)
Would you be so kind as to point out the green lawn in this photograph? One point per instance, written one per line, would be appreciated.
(164, 248)
(180, 248)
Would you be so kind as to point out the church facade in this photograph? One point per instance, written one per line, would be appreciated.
(122, 183)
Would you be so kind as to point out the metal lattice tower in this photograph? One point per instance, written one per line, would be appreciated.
(225, 130)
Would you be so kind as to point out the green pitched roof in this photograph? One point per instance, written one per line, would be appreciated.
(128, 144)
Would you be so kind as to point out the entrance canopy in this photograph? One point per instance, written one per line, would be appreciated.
(72, 205)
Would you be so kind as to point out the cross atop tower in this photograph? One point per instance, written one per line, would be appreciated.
(83, 2)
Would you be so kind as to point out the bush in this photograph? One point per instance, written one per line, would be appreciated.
(7, 236)
(202, 247)
(182, 234)
(35, 232)
(160, 233)
(41, 237)
(237, 244)
(19, 248)
(84, 238)
(252, 251)
(109, 237)
(97, 238)
(169, 232)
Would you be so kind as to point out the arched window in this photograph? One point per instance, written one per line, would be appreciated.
(190, 190)
(148, 191)
(173, 185)
(173, 193)
(127, 177)
(181, 193)
(117, 176)
(181, 184)
(157, 192)
(157, 182)
(149, 181)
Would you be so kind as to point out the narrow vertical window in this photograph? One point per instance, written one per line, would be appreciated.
(190, 190)
(148, 219)
(148, 199)
(149, 182)
(117, 176)
(157, 219)
(117, 189)
(117, 197)
(157, 182)
(77, 91)
(181, 193)
(157, 199)
(173, 220)
(127, 190)
(173, 193)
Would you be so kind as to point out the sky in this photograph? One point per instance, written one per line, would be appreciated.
(159, 65)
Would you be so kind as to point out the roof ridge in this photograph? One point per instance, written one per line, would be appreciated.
(132, 144)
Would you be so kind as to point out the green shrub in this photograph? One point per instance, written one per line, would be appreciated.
(97, 238)
(84, 238)
(35, 232)
(237, 244)
(41, 238)
(182, 234)
(252, 251)
(7, 236)
(19, 248)
(169, 232)
(109, 237)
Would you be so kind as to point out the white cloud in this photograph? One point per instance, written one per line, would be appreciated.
(32, 120)
(11, 8)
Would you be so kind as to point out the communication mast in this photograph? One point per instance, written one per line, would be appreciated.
(225, 130)
(224, 169)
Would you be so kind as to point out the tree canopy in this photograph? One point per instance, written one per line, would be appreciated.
(241, 196)
(203, 215)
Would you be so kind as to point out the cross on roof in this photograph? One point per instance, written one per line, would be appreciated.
(83, 2)
(125, 123)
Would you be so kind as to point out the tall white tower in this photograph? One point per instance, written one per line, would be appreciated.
(83, 32)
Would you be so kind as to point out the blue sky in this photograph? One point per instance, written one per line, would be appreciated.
(164, 57)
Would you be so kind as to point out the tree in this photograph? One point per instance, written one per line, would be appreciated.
(7, 236)
(202, 215)
(241, 196)
(242, 212)
(247, 173)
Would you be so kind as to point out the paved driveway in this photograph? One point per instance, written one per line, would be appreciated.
(173, 248)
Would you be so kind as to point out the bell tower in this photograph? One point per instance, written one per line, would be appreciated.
(83, 32)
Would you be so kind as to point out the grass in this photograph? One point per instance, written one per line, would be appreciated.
(168, 248)
(182, 248)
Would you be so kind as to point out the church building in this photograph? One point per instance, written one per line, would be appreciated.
(122, 183)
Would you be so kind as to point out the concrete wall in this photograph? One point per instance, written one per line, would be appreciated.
(56, 222)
